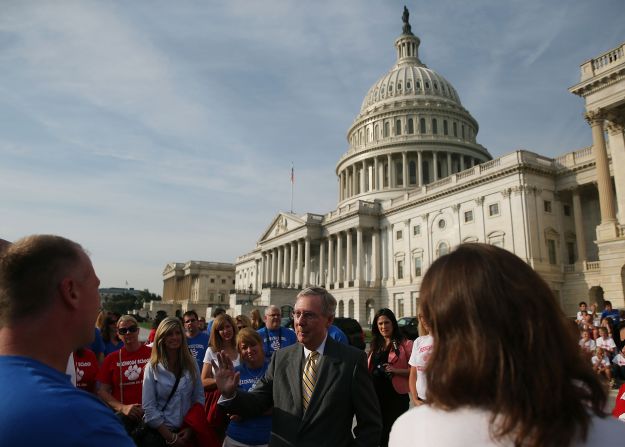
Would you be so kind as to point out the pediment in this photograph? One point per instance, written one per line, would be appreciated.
(282, 223)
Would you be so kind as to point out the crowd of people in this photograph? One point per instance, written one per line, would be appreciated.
(494, 347)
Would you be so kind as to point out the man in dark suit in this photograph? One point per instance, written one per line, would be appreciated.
(310, 409)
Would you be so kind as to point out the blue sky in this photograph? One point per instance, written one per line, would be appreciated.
(159, 131)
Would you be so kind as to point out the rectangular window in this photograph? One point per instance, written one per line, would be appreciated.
(416, 230)
(567, 210)
(570, 250)
(212, 280)
(468, 216)
(399, 235)
(400, 307)
(547, 206)
(493, 209)
(223, 281)
(417, 266)
(551, 248)
(400, 269)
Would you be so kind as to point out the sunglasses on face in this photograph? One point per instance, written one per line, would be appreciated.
(126, 330)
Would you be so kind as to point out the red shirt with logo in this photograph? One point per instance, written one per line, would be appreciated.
(129, 371)
(86, 367)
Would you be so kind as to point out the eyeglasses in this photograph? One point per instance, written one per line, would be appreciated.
(126, 330)
(305, 315)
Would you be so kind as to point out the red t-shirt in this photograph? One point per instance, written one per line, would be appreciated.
(132, 366)
(86, 367)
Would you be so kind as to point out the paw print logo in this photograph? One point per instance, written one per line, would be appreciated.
(133, 372)
(79, 374)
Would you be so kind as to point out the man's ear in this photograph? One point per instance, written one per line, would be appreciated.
(69, 292)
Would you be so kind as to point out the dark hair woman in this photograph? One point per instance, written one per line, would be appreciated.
(505, 368)
(388, 364)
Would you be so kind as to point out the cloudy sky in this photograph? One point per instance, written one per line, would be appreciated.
(158, 131)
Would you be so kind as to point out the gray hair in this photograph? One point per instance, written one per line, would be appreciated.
(328, 302)
(271, 307)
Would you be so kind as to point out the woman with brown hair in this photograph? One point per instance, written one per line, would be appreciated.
(505, 368)
(388, 365)
(257, 320)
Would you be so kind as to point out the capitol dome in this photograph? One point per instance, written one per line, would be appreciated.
(411, 130)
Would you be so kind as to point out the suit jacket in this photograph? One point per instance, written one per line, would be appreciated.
(343, 390)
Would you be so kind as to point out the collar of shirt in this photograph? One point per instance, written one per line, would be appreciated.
(320, 349)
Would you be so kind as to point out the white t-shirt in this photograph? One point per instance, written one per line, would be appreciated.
(607, 343)
(619, 360)
(604, 361)
(587, 345)
(418, 358)
(210, 355)
(424, 425)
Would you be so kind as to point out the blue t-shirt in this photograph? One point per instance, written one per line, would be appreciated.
(276, 339)
(97, 346)
(40, 406)
(197, 346)
(110, 347)
(613, 315)
(256, 430)
(336, 333)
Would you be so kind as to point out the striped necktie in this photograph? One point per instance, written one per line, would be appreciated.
(309, 378)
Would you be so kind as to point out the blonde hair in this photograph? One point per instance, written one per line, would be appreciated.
(216, 342)
(243, 319)
(251, 337)
(159, 355)
(126, 318)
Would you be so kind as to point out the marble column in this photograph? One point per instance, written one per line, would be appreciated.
(375, 255)
(374, 185)
(330, 279)
(348, 257)
(435, 165)
(292, 265)
(287, 266)
(404, 161)
(322, 254)
(580, 239)
(354, 180)
(604, 182)
(280, 265)
(274, 261)
(339, 258)
(300, 272)
(389, 170)
(419, 169)
(306, 282)
(358, 255)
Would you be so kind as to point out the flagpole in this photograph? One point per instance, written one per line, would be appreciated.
(292, 181)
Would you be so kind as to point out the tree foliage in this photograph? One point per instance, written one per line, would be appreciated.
(124, 302)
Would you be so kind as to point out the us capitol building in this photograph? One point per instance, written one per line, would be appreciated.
(414, 182)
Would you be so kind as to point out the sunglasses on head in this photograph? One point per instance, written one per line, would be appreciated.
(126, 330)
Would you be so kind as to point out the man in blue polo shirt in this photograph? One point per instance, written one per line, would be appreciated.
(273, 335)
(48, 286)
(196, 339)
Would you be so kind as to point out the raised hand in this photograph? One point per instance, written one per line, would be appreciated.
(226, 379)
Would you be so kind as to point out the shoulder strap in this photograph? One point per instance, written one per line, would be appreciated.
(121, 378)
(173, 390)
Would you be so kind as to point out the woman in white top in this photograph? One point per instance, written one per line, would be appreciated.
(171, 384)
(421, 350)
(222, 338)
(505, 368)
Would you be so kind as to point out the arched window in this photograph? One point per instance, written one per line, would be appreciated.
(422, 125)
(442, 249)
(350, 309)
(462, 131)
(455, 129)
(399, 174)
(376, 132)
(341, 308)
(418, 85)
(410, 126)
(408, 85)
(399, 86)
(398, 127)
(445, 128)
(386, 129)
(427, 84)
(434, 126)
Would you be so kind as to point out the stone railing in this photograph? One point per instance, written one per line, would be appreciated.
(592, 265)
(574, 158)
(358, 205)
(609, 59)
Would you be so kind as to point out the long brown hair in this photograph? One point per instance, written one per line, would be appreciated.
(216, 342)
(502, 343)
